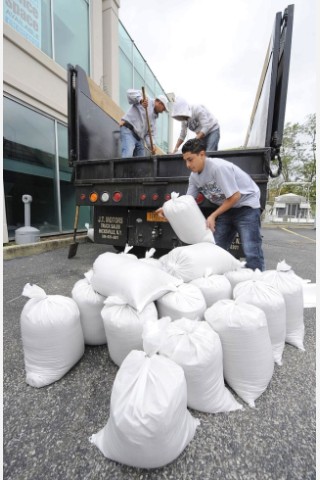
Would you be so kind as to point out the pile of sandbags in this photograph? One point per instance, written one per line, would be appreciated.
(177, 328)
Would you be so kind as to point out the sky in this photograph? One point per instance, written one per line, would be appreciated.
(212, 52)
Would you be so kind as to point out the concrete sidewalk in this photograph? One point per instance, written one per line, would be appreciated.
(46, 431)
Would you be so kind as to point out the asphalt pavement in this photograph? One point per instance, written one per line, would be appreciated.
(46, 431)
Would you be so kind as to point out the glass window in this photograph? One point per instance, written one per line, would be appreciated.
(32, 20)
(29, 167)
(138, 61)
(46, 37)
(139, 82)
(71, 33)
(125, 42)
(125, 80)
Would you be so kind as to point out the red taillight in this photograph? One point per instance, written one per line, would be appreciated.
(116, 197)
(143, 196)
(167, 196)
(155, 196)
(93, 197)
(82, 196)
(200, 198)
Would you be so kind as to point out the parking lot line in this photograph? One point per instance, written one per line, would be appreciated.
(298, 234)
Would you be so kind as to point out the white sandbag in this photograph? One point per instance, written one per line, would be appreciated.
(186, 219)
(271, 301)
(90, 304)
(149, 423)
(197, 349)
(240, 275)
(135, 282)
(90, 232)
(289, 284)
(247, 352)
(191, 261)
(309, 295)
(52, 336)
(214, 287)
(185, 301)
(148, 258)
(123, 326)
(126, 251)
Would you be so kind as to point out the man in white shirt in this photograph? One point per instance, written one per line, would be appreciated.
(134, 127)
(196, 118)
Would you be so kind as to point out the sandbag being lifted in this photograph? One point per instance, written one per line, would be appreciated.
(186, 219)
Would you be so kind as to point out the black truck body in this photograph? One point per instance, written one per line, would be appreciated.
(125, 192)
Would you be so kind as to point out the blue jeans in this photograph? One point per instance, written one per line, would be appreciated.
(212, 140)
(130, 146)
(246, 222)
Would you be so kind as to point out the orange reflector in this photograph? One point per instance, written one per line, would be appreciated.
(93, 197)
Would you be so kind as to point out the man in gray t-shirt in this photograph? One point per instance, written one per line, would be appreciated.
(236, 196)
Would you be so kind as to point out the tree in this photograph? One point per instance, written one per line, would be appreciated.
(307, 168)
(298, 154)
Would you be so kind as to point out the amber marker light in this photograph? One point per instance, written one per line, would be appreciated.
(93, 197)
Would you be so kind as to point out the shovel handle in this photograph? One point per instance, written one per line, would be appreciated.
(148, 121)
(76, 218)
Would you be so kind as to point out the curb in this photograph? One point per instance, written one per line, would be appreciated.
(24, 250)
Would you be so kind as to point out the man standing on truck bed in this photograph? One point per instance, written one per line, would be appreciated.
(198, 119)
(134, 124)
(235, 194)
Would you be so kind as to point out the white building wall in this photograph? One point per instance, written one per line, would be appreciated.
(33, 77)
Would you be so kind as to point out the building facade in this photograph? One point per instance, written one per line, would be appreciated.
(40, 38)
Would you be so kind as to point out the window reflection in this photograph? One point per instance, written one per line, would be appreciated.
(29, 167)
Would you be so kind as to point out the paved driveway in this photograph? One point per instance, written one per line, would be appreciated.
(46, 431)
